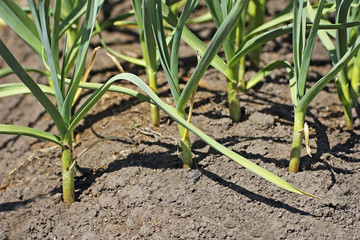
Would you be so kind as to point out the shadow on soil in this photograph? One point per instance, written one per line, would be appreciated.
(13, 206)
(170, 160)
(253, 196)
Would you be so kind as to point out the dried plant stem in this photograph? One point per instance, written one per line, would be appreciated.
(86, 74)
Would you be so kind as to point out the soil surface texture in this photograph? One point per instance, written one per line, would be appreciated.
(135, 188)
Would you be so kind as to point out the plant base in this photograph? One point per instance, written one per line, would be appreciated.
(155, 115)
(299, 120)
(186, 153)
(348, 117)
(235, 109)
(295, 152)
(185, 148)
(68, 186)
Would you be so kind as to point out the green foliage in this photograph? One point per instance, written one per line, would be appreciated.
(66, 15)
(236, 45)
(302, 53)
(61, 112)
(52, 22)
(347, 81)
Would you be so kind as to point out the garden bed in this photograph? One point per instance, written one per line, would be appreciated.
(135, 187)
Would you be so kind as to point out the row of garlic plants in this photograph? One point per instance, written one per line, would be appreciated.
(73, 22)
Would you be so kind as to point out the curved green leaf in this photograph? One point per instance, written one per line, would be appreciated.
(155, 8)
(7, 71)
(31, 132)
(217, 41)
(192, 40)
(342, 11)
(262, 38)
(265, 71)
(55, 37)
(94, 98)
(34, 88)
(126, 58)
(79, 10)
(126, 23)
(319, 85)
(118, 89)
(307, 50)
(18, 20)
(323, 36)
(215, 11)
(152, 58)
(173, 113)
(268, 25)
(72, 17)
(200, 19)
(188, 9)
(86, 33)
(51, 60)
(112, 21)
(136, 4)
(259, 40)
(13, 89)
